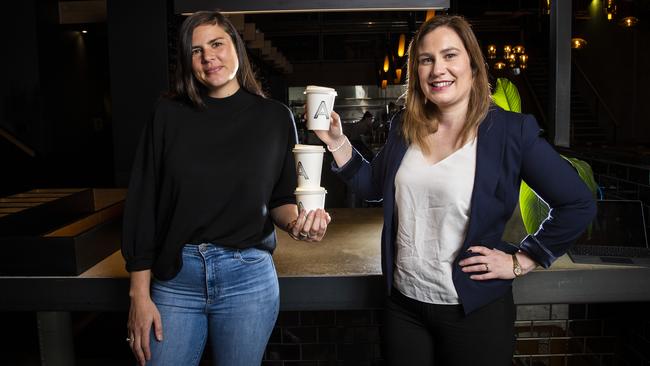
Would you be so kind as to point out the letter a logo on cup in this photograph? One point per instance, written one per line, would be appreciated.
(321, 100)
(302, 171)
(322, 111)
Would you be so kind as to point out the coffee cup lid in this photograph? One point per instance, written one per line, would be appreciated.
(319, 89)
(308, 148)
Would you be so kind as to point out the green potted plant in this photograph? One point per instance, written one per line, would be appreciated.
(534, 210)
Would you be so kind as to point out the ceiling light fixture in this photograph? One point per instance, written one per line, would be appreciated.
(629, 22)
(578, 43)
(514, 58)
(492, 51)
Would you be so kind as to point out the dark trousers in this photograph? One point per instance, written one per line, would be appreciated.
(421, 334)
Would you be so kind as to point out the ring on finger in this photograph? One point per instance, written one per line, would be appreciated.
(303, 235)
(487, 268)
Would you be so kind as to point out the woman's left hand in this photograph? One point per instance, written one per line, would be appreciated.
(310, 226)
(488, 264)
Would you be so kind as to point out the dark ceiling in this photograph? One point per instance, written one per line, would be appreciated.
(365, 35)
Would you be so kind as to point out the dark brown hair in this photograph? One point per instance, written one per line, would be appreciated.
(421, 118)
(185, 84)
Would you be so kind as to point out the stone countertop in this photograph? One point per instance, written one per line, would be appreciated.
(351, 247)
(341, 272)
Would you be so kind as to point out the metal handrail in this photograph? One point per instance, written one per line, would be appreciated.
(14, 141)
(593, 89)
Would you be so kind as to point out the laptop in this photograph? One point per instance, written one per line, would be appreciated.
(618, 236)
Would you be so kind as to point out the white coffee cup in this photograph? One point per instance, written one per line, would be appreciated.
(309, 165)
(310, 198)
(320, 104)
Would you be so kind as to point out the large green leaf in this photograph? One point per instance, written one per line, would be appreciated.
(585, 172)
(534, 210)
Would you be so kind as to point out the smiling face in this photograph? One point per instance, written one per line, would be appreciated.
(444, 69)
(214, 60)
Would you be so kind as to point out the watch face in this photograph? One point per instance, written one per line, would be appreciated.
(517, 271)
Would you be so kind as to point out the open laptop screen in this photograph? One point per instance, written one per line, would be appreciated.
(618, 223)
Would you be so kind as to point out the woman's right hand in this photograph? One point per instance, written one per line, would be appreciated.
(142, 314)
(334, 135)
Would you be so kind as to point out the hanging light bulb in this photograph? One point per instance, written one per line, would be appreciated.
(629, 22)
(386, 64)
(398, 76)
(430, 14)
(492, 51)
(523, 61)
(518, 49)
(500, 65)
(401, 45)
(506, 51)
(578, 43)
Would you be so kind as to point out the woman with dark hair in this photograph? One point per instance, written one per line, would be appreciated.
(213, 173)
(449, 175)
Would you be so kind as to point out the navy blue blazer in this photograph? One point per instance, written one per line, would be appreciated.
(509, 149)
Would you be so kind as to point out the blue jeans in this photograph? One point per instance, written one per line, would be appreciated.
(232, 294)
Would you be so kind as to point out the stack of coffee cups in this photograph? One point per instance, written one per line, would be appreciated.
(309, 163)
(309, 158)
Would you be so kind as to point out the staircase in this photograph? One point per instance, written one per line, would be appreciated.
(537, 75)
(585, 130)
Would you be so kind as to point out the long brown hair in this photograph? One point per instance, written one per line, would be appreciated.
(185, 84)
(421, 118)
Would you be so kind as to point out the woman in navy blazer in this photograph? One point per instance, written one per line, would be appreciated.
(449, 177)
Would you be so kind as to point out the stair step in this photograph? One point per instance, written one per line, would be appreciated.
(580, 107)
(582, 117)
(590, 135)
(587, 130)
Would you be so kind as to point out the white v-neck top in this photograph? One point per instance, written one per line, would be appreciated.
(433, 206)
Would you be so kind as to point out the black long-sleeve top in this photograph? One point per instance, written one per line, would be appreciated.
(207, 176)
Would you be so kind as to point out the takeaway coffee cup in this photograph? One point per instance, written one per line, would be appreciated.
(309, 164)
(310, 198)
(320, 104)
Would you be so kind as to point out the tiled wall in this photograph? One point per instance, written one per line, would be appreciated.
(558, 334)
(319, 338)
(563, 335)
